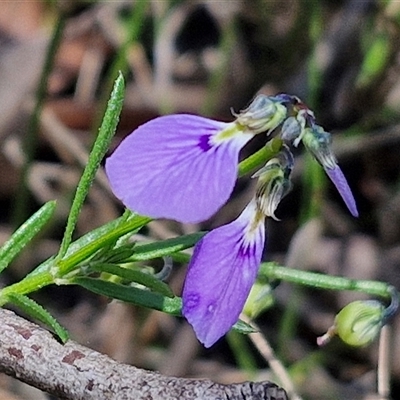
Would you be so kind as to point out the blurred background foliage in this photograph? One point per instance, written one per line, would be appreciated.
(58, 62)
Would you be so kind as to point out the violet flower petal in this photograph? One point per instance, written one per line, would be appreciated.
(221, 273)
(339, 180)
(176, 167)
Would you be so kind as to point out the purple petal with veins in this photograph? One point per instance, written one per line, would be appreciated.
(174, 167)
(221, 273)
(339, 180)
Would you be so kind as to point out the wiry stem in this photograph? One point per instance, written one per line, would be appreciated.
(322, 281)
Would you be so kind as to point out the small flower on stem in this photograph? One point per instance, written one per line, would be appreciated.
(301, 126)
(225, 263)
(318, 142)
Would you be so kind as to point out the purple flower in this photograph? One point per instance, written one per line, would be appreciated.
(225, 262)
(221, 273)
(180, 167)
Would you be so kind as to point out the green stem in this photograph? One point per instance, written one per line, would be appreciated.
(29, 284)
(260, 157)
(321, 281)
(50, 271)
(30, 140)
(313, 177)
(314, 185)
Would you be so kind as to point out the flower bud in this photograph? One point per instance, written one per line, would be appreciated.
(291, 129)
(274, 182)
(360, 322)
(259, 300)
(318, 142)
(264, 114)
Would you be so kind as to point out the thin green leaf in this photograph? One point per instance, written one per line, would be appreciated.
(181, 257)
(166, 247)
(25, 233)
(132, 275)
(116, 255)
(133, 295)
(100, 147)
(36, 311)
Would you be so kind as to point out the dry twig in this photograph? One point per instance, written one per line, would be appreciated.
(74, 372)
(264, 348)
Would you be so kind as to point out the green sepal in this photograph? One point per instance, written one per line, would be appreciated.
(25, 233)
(37, 312)
(360, 322)
(162, 248)
(136, 276)
(133, 295)
(243, 327)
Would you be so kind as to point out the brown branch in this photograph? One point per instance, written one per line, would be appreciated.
(74, 372)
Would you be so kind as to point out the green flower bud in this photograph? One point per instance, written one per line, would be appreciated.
(292, 129)
(318, 142)
(360, 322)
(274, 182)
(264, 114)
(259, 300)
